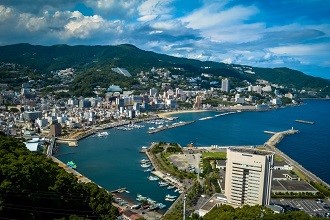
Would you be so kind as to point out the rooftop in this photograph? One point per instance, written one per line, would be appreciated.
(251, 151)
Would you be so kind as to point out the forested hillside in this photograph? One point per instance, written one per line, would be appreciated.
(90, 61)
(34, 187)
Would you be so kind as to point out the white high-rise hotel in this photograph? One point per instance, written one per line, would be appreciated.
(225, 85)
(248, 176)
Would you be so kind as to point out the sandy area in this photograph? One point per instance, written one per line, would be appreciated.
(168, 114)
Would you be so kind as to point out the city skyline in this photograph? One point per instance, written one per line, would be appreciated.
(265, 34)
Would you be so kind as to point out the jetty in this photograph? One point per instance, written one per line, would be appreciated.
(305, 122)
(278, 136)
(271, 145)
(175, 125)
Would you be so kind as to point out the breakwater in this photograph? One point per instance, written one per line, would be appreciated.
(174, 125)
(271, 145)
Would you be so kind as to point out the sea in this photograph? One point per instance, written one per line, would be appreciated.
(113, 161)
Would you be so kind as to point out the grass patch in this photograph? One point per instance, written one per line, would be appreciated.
(322, 188)
(214, 155)
(278, 158)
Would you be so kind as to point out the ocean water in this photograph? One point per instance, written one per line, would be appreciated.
(113, 161)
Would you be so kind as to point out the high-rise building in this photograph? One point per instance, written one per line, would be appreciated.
(225, 85)
(248, 176)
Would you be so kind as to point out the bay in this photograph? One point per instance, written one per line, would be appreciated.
(113, 161)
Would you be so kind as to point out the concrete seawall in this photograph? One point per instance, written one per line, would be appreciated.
(271, 145)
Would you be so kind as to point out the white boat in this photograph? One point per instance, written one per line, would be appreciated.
(170, 197)
(102, 134)
(161, 183)
(170, 187)
(147, 170)
(145, 165)
(161, 205)
(144, 161)
(152, 128)
(153, 178)
(140, 197)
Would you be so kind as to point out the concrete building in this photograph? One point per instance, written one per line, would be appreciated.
(32, 116)
(225, 85)
(55, 130)
(248, 176)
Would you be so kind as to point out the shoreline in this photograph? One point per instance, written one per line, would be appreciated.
(168, 114)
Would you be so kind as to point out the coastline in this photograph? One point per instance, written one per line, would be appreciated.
(168, 114)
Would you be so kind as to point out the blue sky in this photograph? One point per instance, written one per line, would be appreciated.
(264, 33)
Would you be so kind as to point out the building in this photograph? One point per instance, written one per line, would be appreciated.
(248, 176)
(55, 130)
(32, 116)
(225, 85)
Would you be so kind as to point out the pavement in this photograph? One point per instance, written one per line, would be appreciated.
(310, 206)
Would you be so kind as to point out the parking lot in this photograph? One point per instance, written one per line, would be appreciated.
(312, 207)
(186, 161)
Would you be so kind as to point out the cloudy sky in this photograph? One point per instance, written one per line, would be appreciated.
(266, 33)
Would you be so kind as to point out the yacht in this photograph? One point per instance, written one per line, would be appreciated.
(170, 187)
(168, 199)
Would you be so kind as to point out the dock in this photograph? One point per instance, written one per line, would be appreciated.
(305, 122)
(175, 125)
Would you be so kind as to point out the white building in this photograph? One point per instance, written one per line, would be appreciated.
(248, 176)
(225, 85)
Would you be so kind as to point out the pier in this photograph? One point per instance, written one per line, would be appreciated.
(175, 125)
(271, 145)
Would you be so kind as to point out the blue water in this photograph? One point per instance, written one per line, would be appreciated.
(113, 161)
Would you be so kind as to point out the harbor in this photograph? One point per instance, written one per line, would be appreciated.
(102, 159)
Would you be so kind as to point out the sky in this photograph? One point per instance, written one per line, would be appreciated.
(263, 33)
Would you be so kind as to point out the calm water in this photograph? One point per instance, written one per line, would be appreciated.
(113, 161)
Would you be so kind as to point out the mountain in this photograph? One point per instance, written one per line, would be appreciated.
(89, 59)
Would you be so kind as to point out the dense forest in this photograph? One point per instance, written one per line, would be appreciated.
(88, 59)
(34, 187)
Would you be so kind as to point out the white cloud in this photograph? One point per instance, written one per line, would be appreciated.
(221, 24)
(5, 13)
(152, 9)
(302, 49)
(114, 7)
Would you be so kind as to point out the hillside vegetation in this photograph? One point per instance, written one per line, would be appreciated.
(34, 187)
(97, 60)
